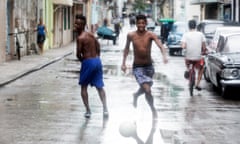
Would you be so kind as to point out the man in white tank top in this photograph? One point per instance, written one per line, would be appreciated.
(195, 44)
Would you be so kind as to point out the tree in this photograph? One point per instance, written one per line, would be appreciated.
(139, 5)
(161, 4)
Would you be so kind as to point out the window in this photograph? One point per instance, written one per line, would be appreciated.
(67, 18)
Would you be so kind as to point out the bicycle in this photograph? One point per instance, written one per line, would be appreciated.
(191, 73)
(18, 46)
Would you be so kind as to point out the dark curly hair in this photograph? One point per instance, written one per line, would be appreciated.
(81, 17)
(192, 24)
(141, 17)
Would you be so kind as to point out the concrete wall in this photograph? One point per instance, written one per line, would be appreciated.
(25, 11)
(3, 31)
(184, 11)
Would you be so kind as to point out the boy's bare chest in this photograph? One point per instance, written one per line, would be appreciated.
(141, 40)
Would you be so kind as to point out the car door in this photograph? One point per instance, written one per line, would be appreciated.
(212, 68)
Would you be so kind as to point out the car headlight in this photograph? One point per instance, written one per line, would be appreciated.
(230, 73)
(172, 38)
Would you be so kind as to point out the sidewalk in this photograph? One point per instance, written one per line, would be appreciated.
(14, 69)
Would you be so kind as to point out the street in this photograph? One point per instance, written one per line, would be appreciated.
(45, 107)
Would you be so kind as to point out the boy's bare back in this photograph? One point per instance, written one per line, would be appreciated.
(88, 46)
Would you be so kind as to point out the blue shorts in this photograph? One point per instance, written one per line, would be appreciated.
(40, 39)
(144, 74)
(91, 73)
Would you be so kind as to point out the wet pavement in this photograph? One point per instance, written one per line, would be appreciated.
(45, 106)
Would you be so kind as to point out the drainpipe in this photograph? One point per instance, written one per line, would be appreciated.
(232, 11)
(237, 10)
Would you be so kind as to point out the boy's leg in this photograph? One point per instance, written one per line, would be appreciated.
(84, 95)
(102, 95)
(200, 73)
(149, 98)
(136, 95)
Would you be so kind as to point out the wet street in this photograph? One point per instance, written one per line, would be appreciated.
(45, 107)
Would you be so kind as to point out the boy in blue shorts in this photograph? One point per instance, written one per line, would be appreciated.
(88, 52)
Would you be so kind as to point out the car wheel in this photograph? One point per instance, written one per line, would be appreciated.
(218, 87)
(224, 91)
(179, 52)
(114, 42)
(171, 52)
(206, 75)
(182, 53)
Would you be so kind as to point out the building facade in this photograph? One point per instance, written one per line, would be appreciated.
(3, 30)
(22, 16)
(214, 9)
(235, 12)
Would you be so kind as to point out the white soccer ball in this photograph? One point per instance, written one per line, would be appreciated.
(128, 128)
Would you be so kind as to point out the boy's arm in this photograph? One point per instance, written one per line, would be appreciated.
(183, 42)
(97, 47)
(79, 53)
(125, 53)
(204, 48)
(161, 47)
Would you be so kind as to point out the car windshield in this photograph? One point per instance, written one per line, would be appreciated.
(151, 24)
(224, 31)
(232, 44)
(211, 28)
(179, 28)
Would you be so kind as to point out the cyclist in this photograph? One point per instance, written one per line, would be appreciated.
(195, 44)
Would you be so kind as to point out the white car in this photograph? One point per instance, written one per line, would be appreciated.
(157, 31)
(219, 31)
(150, 24)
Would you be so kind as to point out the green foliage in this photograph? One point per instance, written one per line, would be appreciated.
(139, 5)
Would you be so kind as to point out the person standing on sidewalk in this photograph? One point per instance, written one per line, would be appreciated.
(41, 35)
(143, 69)
(88, 52)
(195, 44)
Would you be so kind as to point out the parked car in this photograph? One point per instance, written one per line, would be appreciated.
(150, 24)
(174, 38)
(208, 28)
(219, 31)
(222, 67)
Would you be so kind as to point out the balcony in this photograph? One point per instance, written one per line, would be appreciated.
(63, 2)
(206, 1)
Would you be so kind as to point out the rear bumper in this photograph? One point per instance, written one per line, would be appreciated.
(176, 47)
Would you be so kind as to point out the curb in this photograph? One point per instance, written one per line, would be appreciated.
(39, 67)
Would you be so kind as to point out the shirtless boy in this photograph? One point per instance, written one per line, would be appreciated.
(143, 69)
(88, 52)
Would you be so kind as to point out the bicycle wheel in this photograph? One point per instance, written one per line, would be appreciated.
(191, 82)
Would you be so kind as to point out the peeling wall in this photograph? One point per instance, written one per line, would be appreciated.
(26, 13)
(3, 30)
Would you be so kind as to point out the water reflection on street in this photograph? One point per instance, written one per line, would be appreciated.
(45, 107)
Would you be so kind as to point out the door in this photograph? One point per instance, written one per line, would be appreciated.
(58, 26)
(9, 25)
